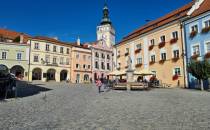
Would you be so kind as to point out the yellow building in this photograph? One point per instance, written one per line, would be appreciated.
(49, 59)
(157, 46)
(81, 70)
(14, 53)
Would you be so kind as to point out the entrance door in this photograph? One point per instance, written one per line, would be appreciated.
(78, 78)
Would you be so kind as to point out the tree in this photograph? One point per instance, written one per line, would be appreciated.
(200, 70)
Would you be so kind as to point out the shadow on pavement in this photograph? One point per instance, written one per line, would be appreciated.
(25, 89)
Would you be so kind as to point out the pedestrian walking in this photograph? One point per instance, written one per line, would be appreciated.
(99, 84)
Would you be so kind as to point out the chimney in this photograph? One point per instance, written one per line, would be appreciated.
(78, 41)
(56, 38)
(21, 37)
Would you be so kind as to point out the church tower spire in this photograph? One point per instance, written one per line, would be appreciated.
(105, 19)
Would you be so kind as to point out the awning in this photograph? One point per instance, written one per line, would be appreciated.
(118, 73)
(144, 72)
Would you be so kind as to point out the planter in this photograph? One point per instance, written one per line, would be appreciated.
(162, 44)
(205, 30)
(151, 47)
(162, 61)
(174, 40)
(137, 51)
(152, 62)
(175, 59)
(118, 56)
(138, 65)
(207, 55)
(193, 34)
(175, 77)
(126, 54)
(126, 67)
(118, 68)
(195, 56)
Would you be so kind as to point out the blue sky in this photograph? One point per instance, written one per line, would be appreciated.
(68, 19)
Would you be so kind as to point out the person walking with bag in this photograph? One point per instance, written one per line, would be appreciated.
(99, 84)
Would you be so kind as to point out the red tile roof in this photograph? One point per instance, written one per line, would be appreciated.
(204, 7)
(173, 16)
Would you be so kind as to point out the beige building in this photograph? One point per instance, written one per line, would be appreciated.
(14, 53)
(158, 47)
(81, 69)
(49, 59)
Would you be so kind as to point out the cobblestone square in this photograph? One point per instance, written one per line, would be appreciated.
(60, 106)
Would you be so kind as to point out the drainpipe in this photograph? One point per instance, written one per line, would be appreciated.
(29, 63)
(184, 54)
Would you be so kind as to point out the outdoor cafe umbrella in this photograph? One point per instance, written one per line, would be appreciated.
(117, 73)
(144, 72)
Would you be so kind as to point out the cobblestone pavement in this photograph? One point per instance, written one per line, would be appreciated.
(61, 107)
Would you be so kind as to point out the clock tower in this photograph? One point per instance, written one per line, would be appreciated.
(105, 30)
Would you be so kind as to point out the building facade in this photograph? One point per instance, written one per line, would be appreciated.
(197, 36)
(50, 60)
(81, 70)
(14, 53)
(158, 47)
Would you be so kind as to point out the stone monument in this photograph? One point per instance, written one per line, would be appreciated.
(130, 71)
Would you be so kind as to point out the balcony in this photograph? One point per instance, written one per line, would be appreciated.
(195, 56)
(205, 30)
(138, 65)
(207, 55)
(137, 51)
(151, 47)
(162, 44)
(174, 40)
(126, 67)
(162, 61)
(193, 34)
(175, 58)
(127, 53)
(53, 64)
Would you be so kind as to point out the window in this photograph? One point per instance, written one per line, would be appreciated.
(163, 38)
(175, 35)
(77, 56)
(47, 59)
(88, 66)
(96, 65)
(108, 66)
(102, 55)
(84, 66)
(152, 58)
(127, 50)
(207, 23)
(196, 50)
(108, 57)
(47, 47)
(67, 61)
(176, 53)
(89, 57)
(163, 56)
(84, 57)
(36, 46)
(96, 54)
(77, 66)
(152, 42)
(118, 53)
(54, 48)
(138, 46)
(194, 28)
(61, 60)
(177, 71)
(4, 55)
(54, 60)
(36, 58)
(67, 51)
(19, 56)
(208, 47)
(102, 66)
(61, 50)
(139, 60)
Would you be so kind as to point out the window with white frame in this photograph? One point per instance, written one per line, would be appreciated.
(61, 50)
(176, 54)
(36, 46)
(194, 28)
(196, 50)
(96, 65)
(67, 51)
(108, 66)
(84, 66)
(138, 46)
(207, 23)
(177, 71)
(47, 58)
(152, 42)
(47, 47)
(77, 66)
(61, 60)
(89, 66)
(54, 60)
(4, 55)
(175, 35)
(139, 60)
(54, 48)
(152, 58)
(67, 61)
(19, 56)
(84, 57)
(77, 56)
(208, 47)
(163, 38)
(36, 58)
(163, 56)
